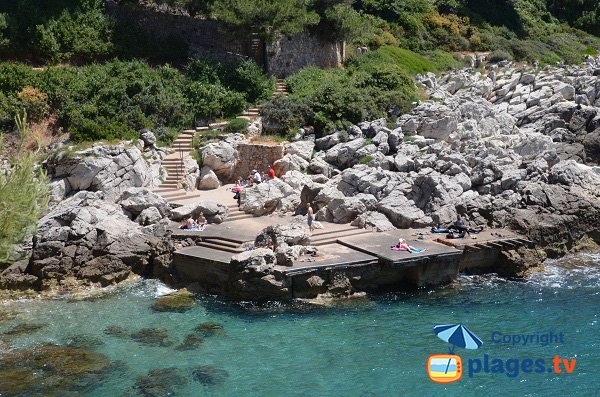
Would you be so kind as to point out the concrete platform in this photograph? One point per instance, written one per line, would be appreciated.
(331, 256)
(379, 245)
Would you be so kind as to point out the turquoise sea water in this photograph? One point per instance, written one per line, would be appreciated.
(371, 347)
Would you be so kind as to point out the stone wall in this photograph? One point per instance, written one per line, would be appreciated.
(283, 58)
(291, 54)
(201, 35)
(256, 156)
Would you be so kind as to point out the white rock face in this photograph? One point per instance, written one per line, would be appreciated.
(304, 149)
(269, 196)
(108, 169)
(208, 180)
(289, 162)
(221, 157)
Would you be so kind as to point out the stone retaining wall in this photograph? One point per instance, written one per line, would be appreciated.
(283, 58)
(295, 52)
(256, 156)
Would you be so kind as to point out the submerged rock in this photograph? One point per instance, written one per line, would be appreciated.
(191, 342)
(158, 382)
(210, 328)
(50, 371)
(21, 329)
(115, 330)
(84, 341)
(209, 375)
(178, 301)
(152, 337)
(8, 314)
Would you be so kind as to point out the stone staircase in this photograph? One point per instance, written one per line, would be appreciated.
(171, 188)
(324, 237)
(235, 214)
(281, 88)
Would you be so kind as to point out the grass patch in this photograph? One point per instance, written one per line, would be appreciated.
(365, 159)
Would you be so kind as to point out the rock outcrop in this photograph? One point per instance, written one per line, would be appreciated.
(94, 240)
(106, 169)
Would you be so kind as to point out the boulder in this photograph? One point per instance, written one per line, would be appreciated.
(269, 196)
(136, 200)
(221, 157)
(375, 220)
(149, 216)
(289, 234)
(402, 212)
(319, 166)
(214, 212)
(107, 169)
(297, 180)
(148, 138)
(303, 149)
(254, 276)
(93, 240)
(289, 162)
(208, 180)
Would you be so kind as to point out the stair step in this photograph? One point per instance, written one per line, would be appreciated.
(237, 218)
(220, 247)
(330, 239)
(224, 243)
(339, 231)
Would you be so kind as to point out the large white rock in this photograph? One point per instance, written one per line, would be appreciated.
(208, 180)
(289, 162)
(303, 149)
(269, 196)
(221, 157)
(109, 169)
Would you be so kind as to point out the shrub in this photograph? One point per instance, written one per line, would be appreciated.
(365, 159)
(237, 126)
(23, 199)
(500, 55)
(35, 102)
(284, 114)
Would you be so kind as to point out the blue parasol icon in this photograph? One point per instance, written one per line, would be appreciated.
(457, 335)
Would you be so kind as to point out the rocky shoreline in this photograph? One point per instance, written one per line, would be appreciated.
(514, 146)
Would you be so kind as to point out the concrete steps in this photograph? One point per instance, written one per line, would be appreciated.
(235, 214)
(217, 245)
(331, 237)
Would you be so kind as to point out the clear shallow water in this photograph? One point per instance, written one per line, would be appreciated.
(375, 347)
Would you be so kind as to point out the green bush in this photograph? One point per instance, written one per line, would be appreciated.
(365, 159)
(500, 55)
(237, 126)
(116, 99)
(283, 114)
(23, 199)
(240, 75)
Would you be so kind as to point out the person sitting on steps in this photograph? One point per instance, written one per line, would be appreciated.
(257, 178)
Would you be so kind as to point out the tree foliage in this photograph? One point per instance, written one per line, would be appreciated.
(268, 18)
(23, 196)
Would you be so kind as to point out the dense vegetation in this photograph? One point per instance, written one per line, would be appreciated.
(375, 85)
(115, 99)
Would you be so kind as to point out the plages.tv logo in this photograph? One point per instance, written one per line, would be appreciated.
(448, 368)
